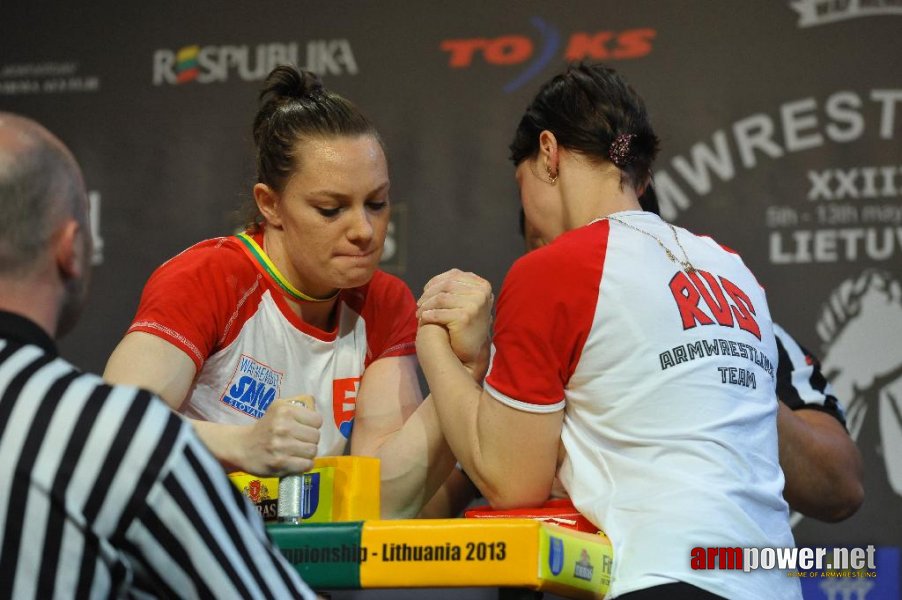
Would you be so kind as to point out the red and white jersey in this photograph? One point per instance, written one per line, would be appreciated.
(667, 383)
(218, 304)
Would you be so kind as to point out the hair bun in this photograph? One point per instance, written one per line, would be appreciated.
(309, 85)
(287, 82)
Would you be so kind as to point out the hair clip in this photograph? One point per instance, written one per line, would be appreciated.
(619, 152)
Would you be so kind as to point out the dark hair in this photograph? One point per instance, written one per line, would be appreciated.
(592, 110)
(648, 201)
(295, 106)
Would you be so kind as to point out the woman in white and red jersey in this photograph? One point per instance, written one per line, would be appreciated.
(232, 329)
(645, 351)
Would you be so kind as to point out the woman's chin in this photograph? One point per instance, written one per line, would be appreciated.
(356, 277)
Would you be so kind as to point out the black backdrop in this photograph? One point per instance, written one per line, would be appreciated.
(780, 124)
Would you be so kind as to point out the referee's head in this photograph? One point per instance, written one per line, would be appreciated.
(45, 240)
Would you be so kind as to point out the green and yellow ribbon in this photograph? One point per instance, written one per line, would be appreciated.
(260, 255)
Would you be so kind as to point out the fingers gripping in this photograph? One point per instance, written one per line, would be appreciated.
(285, 439)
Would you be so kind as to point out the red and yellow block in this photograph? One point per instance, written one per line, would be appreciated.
(558, 511)
(449, 553)
(342, 488)
(342, 544)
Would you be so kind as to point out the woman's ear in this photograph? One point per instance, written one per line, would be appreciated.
(267, 200)
(548, 151)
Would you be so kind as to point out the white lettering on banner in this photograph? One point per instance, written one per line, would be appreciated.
(855, 183)
(390, 246)
(96, 238)
(45, 78)
(393, 257)
(45, 69)
(855, 214)
(58, 85)
(210, 64)
(822, 12)
(17, 87)
(696, 173)
(833, 245)
(802, 124)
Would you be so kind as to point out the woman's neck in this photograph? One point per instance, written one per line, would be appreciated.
(275, 251)
(589, 193)
(321, 313)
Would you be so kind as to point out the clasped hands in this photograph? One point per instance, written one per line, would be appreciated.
(456, 309)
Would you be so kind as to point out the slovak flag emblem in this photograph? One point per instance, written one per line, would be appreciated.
(344, 403)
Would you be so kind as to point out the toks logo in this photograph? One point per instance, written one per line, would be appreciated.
(216, 64)
(518, 49)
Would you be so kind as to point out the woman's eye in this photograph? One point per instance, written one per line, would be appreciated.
(328, 212)
(377, 206)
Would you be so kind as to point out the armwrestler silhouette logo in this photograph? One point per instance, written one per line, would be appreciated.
(861, 328)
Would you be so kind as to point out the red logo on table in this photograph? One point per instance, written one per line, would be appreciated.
(344, 403)
(256, 491)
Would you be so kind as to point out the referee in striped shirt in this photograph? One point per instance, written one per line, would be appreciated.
(104, 492)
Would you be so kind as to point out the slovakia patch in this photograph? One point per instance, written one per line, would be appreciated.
(253, 387)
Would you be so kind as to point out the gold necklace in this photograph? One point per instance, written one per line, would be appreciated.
(684, 264)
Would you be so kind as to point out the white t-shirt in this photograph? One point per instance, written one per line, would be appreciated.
(667, 382)
(218, 303)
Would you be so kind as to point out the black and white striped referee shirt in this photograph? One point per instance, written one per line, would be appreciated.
(104, 492)
(800, 382)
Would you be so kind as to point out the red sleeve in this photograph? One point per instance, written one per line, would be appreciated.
(189, 299)
(389, 312)
(543, 318)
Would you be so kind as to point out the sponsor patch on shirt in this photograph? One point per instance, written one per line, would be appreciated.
(253, 387)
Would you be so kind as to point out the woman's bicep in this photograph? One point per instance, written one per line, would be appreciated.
(389, 393)
(150, 362)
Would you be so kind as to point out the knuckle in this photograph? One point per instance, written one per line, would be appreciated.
(313, 437)
(311, 450)
(276, 464)
(278, 431)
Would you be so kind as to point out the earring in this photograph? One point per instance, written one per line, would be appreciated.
(552, 179)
